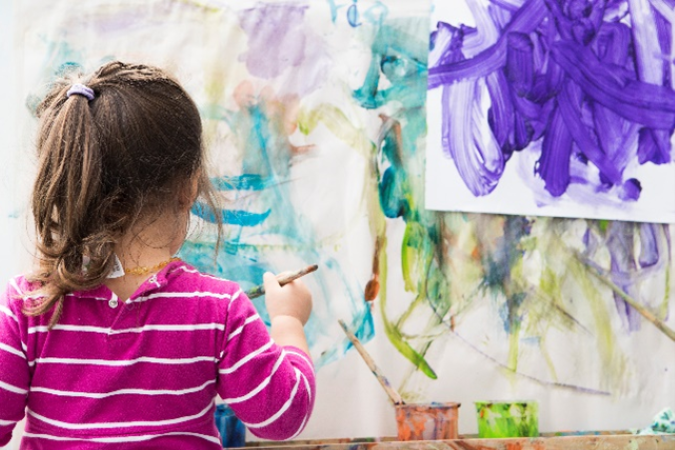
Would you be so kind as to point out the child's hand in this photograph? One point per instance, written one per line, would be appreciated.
(292, 299)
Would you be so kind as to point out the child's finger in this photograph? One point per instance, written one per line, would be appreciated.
(271, 283)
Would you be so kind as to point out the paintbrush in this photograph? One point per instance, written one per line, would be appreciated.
(282, 279)
(394, 396)
(643, 311)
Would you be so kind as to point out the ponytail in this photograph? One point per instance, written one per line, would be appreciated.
(67, 186)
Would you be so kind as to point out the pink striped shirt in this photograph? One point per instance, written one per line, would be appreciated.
(146, 372)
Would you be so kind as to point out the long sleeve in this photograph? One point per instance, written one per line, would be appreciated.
(14, 369)
(269, 387)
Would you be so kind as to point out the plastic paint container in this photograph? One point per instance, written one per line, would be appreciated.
(427, 421)
(503, 419)
(232, 430)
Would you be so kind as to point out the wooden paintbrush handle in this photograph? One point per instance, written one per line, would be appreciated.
(391, 392)
(284, 279)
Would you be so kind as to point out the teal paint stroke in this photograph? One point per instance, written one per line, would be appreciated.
(243, 218)
(398, 55)
(358, 12)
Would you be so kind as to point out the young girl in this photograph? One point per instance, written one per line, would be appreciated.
(112, 342)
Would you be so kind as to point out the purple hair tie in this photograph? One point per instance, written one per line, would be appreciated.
(81, 89)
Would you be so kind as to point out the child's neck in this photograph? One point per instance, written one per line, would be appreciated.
(146, 249)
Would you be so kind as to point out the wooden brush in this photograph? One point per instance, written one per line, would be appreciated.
(394, 396)
(283, 279)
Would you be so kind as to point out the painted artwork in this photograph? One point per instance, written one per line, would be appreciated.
(560, 108)
(317, 123)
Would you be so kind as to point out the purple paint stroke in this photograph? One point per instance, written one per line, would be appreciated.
(630, 190)
(649, 247)
(664, 32)
(477, 156)
(519, 68)
(547, 85)
(647, 49)
(493, 58)
(577, 20)
(522, 131)
(569, 102)
(511, 126)
(554, 164)
(276, 38)
(621, 243)
(616, 136)
(613, 44)
(501, 115)
(446, 44)
(654, 146)
(643, 103)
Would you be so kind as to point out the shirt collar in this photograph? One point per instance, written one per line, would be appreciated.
(153, 282)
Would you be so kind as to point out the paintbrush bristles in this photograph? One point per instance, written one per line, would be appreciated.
(394, 396)
(284, 279)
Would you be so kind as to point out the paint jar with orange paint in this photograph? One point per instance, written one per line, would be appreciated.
(427, 421)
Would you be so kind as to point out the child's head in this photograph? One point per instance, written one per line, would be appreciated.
(107, 164)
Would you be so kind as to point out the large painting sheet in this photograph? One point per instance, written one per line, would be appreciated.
(315, 119)
(558, 108)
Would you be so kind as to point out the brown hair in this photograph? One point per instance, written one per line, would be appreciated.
(103, 165)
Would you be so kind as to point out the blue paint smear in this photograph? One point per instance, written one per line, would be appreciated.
(374, 15)
(353, 15)
(243, 182)
(243, 218)
(333, 10)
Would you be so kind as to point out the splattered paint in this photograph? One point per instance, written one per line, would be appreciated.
(315, 116)
(567, 108)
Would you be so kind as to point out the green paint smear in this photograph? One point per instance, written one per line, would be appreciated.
(507, 419)
(394, 333)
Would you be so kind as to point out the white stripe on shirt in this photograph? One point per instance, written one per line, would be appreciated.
(302, 425)
(15, 286)
(247, 358)
(204, 275)
(8, 312)
(109, 331)
(60, 393)
(235, 296)
(125, 362)
(11, 388)
(12, 350)
(309, 390)
(248, 320)
(179, 295)
(283, 408)
(304, 358)
(106, 425)
(120, 439)
(260, 387)
(4, 423)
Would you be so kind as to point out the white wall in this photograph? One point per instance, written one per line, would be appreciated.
(13, 240)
